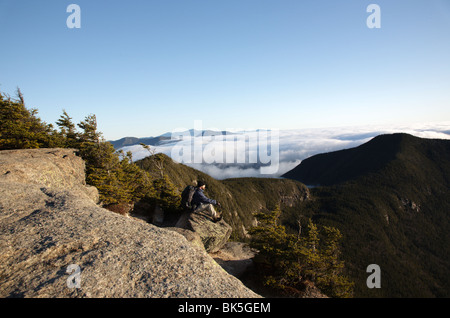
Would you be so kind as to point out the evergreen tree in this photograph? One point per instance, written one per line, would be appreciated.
(289, 261)
(89, 130)
(166, 195)
(331, 280)
(67, 130)
(118, 180)
(20, 128)
(137, 181)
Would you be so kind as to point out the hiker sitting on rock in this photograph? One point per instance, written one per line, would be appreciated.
(202, 203)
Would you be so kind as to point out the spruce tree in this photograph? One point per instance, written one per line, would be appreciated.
(289, 261)
(68, 130)
(21, 128)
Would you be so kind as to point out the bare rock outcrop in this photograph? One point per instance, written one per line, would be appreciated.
(49, 220)
(214, 235)
(51, 168)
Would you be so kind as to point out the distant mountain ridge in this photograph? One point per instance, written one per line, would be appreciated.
(154, 141)
(340, 166)
(131, 141)
(374, 156)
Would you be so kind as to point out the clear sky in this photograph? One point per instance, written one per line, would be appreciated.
(146, 67)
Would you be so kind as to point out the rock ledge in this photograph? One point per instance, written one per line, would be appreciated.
(49, 220)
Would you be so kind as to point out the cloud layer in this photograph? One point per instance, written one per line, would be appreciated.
(234, 155)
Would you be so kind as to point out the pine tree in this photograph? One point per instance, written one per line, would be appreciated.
(276, 250)
(311, 257)
(331, 280)
(20, 128)
(67, 130)
(166, 195)
(89, 130)
(137, 181)
(289, 261)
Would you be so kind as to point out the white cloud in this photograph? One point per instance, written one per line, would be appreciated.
(294, 146)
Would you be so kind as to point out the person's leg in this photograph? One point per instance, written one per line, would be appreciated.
(209, 208)
(200, 208)
(212, 211)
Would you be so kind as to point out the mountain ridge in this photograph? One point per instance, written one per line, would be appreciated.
(154, 141)
(393, 213)
(343, 165)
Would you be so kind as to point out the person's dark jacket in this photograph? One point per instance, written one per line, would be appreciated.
(199, 197)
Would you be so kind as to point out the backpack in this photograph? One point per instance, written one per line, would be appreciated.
(186, 197)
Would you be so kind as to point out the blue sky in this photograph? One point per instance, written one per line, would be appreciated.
(146, 67)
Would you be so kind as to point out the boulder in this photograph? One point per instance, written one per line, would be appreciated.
(54, 168)
(214, 235)
(50, 226)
